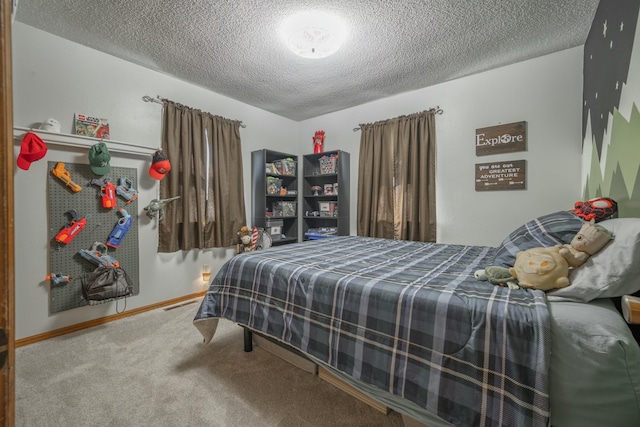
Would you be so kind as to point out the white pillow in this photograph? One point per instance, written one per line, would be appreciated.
(612, 272)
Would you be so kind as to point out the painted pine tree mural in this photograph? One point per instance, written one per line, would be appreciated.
(611, 119)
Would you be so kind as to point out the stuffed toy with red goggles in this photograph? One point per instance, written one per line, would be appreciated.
(597, 209)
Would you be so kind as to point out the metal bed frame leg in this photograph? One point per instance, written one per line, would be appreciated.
(248, 340)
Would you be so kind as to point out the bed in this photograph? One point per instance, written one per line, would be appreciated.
(408, 324)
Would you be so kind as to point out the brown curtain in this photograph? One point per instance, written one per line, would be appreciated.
(396, 178)
(206, 172)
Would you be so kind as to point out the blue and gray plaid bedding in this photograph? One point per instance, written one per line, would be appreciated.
(407, 317)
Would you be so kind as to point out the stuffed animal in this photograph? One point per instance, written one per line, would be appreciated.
(589, 240)
(598, 209)
(541, 268)
(496, 275)
(244, 236)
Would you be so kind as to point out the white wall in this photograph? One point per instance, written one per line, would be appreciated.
(57, 78)
(545, 92)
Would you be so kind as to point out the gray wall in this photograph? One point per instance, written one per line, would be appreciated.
(545, 92)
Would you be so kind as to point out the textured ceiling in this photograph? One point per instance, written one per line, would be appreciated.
(232, 47)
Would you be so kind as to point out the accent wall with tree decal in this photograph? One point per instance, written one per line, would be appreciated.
(611, 116)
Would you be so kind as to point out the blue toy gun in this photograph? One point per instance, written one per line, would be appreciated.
(120, 229)
(98, 255)
(58, 278)
(125, 189)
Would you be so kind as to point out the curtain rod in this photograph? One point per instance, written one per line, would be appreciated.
(437, 110)
(158, 100)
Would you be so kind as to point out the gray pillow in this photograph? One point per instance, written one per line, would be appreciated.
(553, 229)
(612, 272)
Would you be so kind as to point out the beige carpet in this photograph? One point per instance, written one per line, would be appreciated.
(153, 370)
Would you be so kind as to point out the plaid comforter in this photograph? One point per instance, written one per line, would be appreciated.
(407, 317)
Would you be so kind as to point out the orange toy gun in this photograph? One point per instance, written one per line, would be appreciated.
(108, 192)
(71, 229)
(63, 175)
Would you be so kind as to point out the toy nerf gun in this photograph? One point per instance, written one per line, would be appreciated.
(98, 255)
(63, 175)
(120, 229)
(58, 278)
(108, 191)
(126, 190)
(71, 229)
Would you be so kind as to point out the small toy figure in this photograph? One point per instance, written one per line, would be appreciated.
(497, 276)
(244, 237)
(155, 208)
(318, 142)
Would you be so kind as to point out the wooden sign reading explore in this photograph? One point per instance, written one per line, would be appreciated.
(501, 139)
(501, 176)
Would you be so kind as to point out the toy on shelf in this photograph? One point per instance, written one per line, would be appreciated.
(318, 142)
(328, 164)
(274, 185)
(321, 233)
(51, 125)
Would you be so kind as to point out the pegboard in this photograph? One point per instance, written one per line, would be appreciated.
(65, 258)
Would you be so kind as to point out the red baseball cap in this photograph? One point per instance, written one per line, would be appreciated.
(159, 166)
(32, 148)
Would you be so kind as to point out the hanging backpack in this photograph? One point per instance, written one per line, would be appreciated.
(106, 283)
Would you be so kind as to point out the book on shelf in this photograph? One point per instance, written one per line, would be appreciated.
(93, 127)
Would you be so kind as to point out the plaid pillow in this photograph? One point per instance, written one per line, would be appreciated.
(553, 229)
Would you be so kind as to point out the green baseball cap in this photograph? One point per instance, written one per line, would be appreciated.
(99, 159)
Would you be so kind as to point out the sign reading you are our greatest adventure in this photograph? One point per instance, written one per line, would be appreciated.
(501, 175)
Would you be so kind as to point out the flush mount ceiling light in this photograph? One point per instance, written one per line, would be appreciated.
(313, 34)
